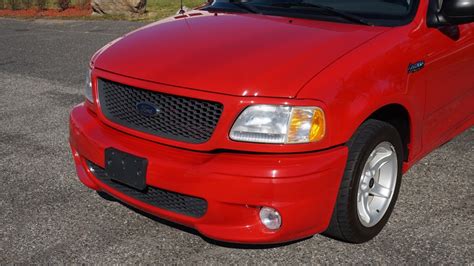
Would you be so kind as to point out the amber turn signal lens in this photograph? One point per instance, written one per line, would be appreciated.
(318, 126)
(307, 124)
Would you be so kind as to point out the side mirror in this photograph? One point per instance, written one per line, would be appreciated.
(451, 12)
(458, 11)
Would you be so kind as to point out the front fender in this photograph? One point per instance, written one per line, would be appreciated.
(369, 78)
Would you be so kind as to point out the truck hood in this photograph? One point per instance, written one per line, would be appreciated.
(234, 54)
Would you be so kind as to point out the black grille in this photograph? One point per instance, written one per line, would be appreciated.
(171, 201)
(177, 118)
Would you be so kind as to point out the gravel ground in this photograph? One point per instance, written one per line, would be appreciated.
(48, 216)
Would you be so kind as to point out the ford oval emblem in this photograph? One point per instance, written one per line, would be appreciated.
(147, 109)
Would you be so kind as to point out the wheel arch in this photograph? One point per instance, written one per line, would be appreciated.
(399, 117)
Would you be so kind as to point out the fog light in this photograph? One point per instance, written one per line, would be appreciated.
(270, 218)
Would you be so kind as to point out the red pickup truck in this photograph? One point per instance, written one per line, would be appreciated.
(266, 121)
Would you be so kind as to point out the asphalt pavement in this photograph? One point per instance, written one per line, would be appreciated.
(48, 216)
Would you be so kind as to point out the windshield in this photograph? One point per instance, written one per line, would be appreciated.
(369, 12)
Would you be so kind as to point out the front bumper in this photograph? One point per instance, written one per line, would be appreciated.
(301, 186)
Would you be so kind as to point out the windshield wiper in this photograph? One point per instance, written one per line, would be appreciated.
(242, 5)
(331, 10)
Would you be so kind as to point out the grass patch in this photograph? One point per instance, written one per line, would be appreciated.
(164, 8)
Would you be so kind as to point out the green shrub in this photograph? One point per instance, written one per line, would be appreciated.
(41, 4)
(14, 4)
(64, 4)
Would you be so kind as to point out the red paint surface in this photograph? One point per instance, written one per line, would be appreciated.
(350, 71)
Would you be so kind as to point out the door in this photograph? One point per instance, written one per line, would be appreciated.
(449, 70)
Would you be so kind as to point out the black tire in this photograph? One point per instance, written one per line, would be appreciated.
(345, 224)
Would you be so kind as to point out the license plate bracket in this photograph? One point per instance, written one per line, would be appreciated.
(126, 168)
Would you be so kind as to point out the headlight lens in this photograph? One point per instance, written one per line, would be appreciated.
(279, 124)
(88, 92)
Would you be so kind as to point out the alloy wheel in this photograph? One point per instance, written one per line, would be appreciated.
(377, 184)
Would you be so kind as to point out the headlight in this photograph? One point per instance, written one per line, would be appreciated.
(279, 124)
(88, 92)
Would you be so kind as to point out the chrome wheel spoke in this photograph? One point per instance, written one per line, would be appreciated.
(380, 162)
(360, 197)
(380, 191)
(363, 205)
(365, 217)
(364, 187)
